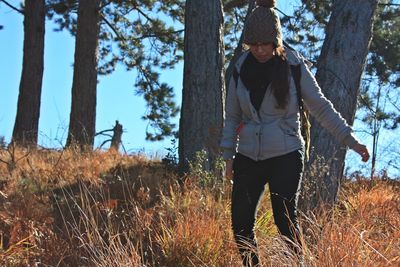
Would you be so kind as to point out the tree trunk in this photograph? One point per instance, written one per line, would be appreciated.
(203, 82)
(117, 136)
(84, 86)
(340, 66)
(27, 120)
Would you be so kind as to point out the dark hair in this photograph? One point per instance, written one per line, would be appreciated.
(280, 83)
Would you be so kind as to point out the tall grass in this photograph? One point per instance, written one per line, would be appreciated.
(361, 230)
(64, 208)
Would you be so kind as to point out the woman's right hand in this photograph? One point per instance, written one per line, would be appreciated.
(229, 169)
(363, 151)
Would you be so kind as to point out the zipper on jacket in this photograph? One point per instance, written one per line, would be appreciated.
(259, 144)
(258, 134)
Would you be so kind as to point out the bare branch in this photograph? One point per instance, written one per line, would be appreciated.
(362, 131)
(105, 142)
(104, 131)
(13, 7)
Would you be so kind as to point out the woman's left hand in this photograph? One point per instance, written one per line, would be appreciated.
(362, 150)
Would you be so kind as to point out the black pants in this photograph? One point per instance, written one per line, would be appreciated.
(283, 175)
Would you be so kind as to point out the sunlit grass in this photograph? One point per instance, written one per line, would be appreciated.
(61, 208)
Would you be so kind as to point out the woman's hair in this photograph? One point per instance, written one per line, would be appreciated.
(280, 83)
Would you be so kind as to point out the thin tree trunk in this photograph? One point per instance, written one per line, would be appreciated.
(376, 127)
(203, 83)
(84, 87)
(375, 136)
(340, 67)
(117, 136)
(26, 125)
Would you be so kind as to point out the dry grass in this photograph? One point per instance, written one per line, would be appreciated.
(362, 230)
(49, 168)
(64, 208)
(195, 229)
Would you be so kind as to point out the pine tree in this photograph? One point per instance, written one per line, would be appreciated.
(135, 34)
(84, 86)
(27, 119)
(203, 82)
(339, 70)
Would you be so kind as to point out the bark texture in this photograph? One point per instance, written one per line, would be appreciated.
(203, 83)
(340, 66)
(84, 86)
(26, 125)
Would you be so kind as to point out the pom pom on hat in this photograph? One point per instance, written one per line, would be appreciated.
(266, 3)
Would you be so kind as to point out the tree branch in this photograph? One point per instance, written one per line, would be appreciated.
(144, 14)
(234, 3)
(157, 35)
(105, 142)
(104, 131)
(388, 4)
(13, 7)
(3, 161)
(106, 4)
(394, 105)
(280, 11)
(366, 105)
(112, 28)
(362, 131)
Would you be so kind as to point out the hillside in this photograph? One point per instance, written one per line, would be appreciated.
(63, 208)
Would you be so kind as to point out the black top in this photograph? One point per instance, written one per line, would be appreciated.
(256, 77)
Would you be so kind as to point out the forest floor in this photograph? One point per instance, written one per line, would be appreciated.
(66, 208)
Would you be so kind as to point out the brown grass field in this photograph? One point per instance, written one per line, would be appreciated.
(64, 208)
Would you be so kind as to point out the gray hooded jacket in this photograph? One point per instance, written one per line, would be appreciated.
(273, 132)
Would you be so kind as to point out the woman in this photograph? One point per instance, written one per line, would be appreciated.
(262, 109)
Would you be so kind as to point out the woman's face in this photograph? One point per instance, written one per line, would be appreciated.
(262, 52)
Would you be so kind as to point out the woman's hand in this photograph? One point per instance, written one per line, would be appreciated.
(228, 169)
(363, 151)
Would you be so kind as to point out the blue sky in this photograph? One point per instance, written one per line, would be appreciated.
(116, 99)
(116, 95)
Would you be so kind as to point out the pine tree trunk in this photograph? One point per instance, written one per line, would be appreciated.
(203, 83)
(27, 120)
(340, 66)
(84, 86)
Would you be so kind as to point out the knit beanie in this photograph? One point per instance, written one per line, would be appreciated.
(263, 24)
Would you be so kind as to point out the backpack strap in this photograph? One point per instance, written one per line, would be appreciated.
(296, 73)
(304, 116)
(235, 71)
(235, 75)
